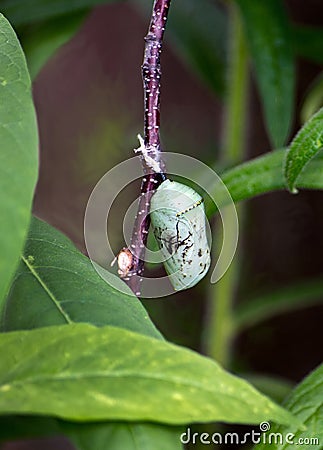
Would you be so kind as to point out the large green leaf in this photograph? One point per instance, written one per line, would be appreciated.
(89, 436)
(124, 436)
(56, 284)
(270, 43)
(18, 155)
(66, 273)
(307, 143)
(305, 402)
(261, 175)
(198, 31)
(83, 373)
(21, 12)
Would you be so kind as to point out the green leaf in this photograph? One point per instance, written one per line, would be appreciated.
(124, 436)
(89, 436)
(305, 402)
(22, 12)
(91, 300)
(261, 175)
(56, 284)
(19, 152)
(198, 31)
(83, 373)
(47, 38)
(308, 42)
(307, 143)
(300, 295)
(270, 43)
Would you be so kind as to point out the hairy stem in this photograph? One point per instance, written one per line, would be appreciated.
(150, 149)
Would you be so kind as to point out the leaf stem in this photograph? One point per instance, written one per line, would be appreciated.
(220, 326)
(262, 175)
(234, 123)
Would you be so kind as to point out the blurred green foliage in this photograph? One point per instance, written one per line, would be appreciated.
(198, 32)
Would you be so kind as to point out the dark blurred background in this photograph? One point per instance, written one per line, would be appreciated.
(89, 105)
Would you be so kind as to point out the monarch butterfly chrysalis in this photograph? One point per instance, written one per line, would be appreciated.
(179, 225)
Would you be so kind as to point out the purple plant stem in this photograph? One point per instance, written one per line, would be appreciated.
(151, 74)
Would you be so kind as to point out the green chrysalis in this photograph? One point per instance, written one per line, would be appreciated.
(179, 225)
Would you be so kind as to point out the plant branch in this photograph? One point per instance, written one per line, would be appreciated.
(150, 149)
